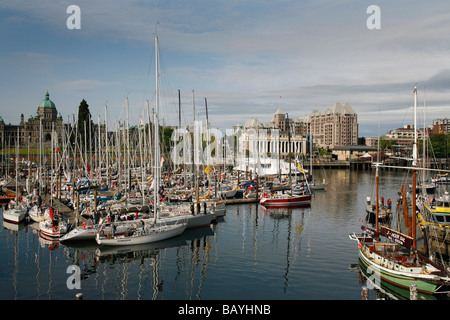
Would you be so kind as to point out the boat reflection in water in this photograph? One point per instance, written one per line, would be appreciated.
(387, 291)
(146, 259)
(136, 252)
(284, 211)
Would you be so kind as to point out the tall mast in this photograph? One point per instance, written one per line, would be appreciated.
(425, 138)
(414, 171)
(415, 129)
(106, 145)
(289, 150)
(149, 134)
(156, 173)
(17, 165)
(193, 104)
(376, 174)
(206, 107)
(128, 153)
(179, 110)
(98, 148)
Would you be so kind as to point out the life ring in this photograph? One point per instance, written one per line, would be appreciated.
(84, 225)
(360, 246)
(55, 228)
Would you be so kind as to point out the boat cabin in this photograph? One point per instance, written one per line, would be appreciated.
(441, 212)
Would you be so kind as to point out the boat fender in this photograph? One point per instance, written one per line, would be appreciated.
(83, 225)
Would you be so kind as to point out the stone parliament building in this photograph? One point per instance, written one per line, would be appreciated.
(41, 124)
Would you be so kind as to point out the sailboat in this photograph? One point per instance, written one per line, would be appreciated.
(15, 213)
(290, 198)
(376, 210)
(36, 213)
(398, 262)
(154, 232)
(51, 225)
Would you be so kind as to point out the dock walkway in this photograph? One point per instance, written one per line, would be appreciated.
(64, 210)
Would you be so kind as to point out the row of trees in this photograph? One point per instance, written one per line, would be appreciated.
(438, 145)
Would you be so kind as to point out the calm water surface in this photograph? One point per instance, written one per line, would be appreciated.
(252, 253)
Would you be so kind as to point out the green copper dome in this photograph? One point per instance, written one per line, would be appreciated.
(47, 103)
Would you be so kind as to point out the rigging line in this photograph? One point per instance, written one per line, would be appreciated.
(170, 92)
(408, 108)
(150, 68)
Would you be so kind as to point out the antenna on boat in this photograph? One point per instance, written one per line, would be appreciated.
(156, 28)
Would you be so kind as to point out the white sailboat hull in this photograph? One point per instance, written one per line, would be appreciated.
(15, 215)
(150, 235)
(86, 232)
(80, 234)
(193, 221)
(48, 229)
(35, 214)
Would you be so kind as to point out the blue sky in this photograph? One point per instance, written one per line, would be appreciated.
(246, 57)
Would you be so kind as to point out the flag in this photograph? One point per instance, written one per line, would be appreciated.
(50, 212)
(299, 166)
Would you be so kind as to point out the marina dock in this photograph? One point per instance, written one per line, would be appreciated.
(65, 211)
(242, 200)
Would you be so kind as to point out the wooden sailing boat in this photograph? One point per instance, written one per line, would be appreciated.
(377, 212)
(149, 232)
(398, 262)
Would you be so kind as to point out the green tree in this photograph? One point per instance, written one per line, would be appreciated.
(438, 145)
(386, 144)
(84, 120)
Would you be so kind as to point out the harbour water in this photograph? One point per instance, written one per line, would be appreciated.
(253, 253)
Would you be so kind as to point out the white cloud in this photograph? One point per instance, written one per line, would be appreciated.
(243, 55)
